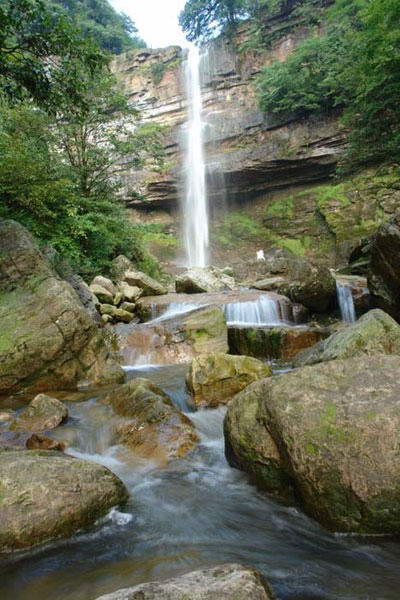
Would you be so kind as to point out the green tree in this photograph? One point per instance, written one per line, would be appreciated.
(36, 45)
(202, 20)
(97, 19)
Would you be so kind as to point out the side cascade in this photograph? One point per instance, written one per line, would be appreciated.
(195, 205)
(346, 303)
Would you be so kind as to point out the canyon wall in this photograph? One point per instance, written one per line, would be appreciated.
(273, 177)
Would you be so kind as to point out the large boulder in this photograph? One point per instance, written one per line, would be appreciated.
(148, 285)
(155, 429)
(273, 342)
(47, 495)
(214, 379)
(374, 333)
(201, 279)
(301, 280)
(105, 283)
(224, 582)
(102, 294)
(329, 434)
(47, 339)
(384, 269)
(42, 414)
(174, 340)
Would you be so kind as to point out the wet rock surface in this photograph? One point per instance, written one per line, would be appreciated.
(374, 333)
(43, 413)
(273, 342)
(384, 270)
(176, 339)
(156, 429)
(48, 340)
(214, 379)
(47, 495)
(225, 582)
(327, 433)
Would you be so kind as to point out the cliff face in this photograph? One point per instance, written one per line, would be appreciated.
(248, 151)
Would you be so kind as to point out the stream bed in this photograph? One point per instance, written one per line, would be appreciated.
(194, 513)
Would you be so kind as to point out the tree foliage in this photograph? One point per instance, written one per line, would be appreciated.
(202, 20)
(97, 19)
(355, 65)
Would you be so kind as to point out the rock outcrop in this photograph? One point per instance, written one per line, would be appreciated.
(273, 342)
(47, 495)
(224, 582)
(374, 333)
(329, 434)
(155, 429)
(213, 379)
(384, 271)
(174, 340)
(47, 339)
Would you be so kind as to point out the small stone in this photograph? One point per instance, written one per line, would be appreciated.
(131, 293)
(103, 295)
(105, 283)
(118, 298)
(43, 413)
(42, 442)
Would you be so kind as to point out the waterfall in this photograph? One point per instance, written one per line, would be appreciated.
(195, 209)
(265, 311)
(346, 303)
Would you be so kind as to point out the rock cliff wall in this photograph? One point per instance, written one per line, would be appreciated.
(250, 152)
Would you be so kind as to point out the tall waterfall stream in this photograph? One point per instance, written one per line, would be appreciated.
(195, 210)
(194, 513)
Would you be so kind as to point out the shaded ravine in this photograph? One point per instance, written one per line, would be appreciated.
(196, 512)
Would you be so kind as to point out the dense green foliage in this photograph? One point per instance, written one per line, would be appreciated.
(203, 20)
(31, 36)
(355, 65)
(96, 18)
(65, 131)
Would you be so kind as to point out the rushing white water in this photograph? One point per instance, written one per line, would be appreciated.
(346, 303)
(175, 309)
(195, 209)
(263, 311)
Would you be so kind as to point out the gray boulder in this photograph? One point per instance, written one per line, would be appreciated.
(47, 495)
(224, 582)
(42, 414)
(374, 333)
(328, 435)
(47, 339)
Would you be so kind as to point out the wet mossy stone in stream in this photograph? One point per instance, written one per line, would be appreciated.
(330, 434)
(43, 413)
(213, 379)
(153, 427)
(46, 495)
(223, 582)
(374, 333)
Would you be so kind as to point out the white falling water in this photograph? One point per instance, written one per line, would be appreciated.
(346, 303)
(195, 209)
(264, 311)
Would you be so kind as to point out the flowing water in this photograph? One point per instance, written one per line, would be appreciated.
(346, 302)
(195, 209)
(265, 311)
(196, 512)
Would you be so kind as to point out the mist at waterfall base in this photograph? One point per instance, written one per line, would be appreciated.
(195, 209)
(197, 512)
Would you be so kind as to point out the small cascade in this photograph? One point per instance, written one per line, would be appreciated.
(195, 208)
(346, 303)
(265, 311)
(174, 310)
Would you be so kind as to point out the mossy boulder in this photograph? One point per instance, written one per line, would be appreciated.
(224, 582)
(201, 279)
(328, 434)
(47, 339)
(309, 284)
(214, 379)
(384, 270)
(45, 495)
(374, 333)
(42, 414)
(153, 427)
(273, 342)
(148, 285)
(116, 314)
